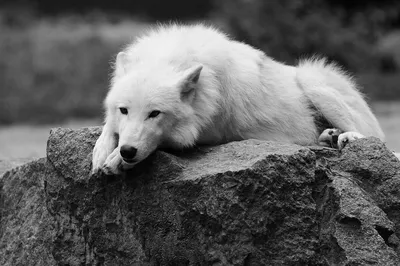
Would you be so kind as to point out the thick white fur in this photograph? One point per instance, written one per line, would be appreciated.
(241, 94)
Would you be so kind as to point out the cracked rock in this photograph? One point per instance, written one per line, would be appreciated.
(243, 203)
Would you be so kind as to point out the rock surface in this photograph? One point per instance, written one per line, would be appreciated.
(243, 203)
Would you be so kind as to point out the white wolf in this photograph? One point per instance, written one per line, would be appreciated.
(179, 86)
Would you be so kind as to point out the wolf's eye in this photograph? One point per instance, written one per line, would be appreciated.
(154, 113)
(123, 110)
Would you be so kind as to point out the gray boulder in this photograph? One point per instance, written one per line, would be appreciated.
(243, 203)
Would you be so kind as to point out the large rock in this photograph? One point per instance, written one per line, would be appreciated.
(243, 203)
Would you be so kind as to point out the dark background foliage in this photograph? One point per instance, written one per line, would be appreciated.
(55, 55)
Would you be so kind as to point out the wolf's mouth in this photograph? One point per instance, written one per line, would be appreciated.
(127, 165)
(129, 161)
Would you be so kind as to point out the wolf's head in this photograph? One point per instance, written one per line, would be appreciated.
(153, 105)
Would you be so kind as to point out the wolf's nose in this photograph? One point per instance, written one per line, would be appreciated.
(128, 152)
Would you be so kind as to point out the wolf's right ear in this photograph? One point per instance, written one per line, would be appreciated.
(188, 82)
(121, 63)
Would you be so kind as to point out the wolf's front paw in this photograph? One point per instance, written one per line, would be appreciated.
(103, 148)
(99, 157)
(347, 137)
(113, 163)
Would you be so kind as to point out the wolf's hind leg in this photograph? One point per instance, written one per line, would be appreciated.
(329, 103)
(319, 82)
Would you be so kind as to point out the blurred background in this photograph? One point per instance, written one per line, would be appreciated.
(55, 55)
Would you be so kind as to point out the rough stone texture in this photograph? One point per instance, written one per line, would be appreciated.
(243, 203)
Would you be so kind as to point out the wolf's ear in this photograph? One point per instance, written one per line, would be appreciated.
(121, 63)
(188, 82)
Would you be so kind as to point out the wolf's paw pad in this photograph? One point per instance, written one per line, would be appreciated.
(329, 137)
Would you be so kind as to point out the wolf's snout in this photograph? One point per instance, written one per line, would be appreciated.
(128, 153)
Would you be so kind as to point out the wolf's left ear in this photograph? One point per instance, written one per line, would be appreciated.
(189, 81)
